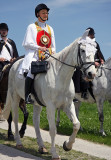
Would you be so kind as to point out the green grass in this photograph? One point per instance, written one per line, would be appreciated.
(88, 117)
(31, 147)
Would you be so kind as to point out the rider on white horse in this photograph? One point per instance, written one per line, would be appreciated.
(38, 38)
(82, 85)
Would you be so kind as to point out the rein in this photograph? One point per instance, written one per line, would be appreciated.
(103, 68)
(46, 52)
(91, 63)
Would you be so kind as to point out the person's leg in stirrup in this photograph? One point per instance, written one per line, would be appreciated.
(28, 85)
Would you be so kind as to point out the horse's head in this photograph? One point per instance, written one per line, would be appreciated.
(86, 62)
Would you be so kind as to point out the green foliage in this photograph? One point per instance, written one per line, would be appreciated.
(89, 120)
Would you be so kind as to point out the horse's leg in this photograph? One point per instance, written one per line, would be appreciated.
(36, 121)
(77, 107)
(70, 111)
(52, 129)
(10, 134)
(58, 117)
(23, 108)
(100, 102)
(15, 104)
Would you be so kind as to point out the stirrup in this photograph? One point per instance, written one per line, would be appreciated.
(29, 100)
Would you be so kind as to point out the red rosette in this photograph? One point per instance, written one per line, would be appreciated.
(43, 39)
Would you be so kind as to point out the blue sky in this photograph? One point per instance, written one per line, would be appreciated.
(69, 19)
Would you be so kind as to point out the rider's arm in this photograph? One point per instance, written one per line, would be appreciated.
(29, 41)
(53, 46)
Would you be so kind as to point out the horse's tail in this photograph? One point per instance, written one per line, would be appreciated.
(7, 108)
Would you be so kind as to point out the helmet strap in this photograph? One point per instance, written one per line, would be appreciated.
(42, 19)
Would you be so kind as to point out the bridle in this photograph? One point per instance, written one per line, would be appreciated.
(102, 67)
(79, 61)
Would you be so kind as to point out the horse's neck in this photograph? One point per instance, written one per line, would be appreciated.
(64, 71)
(107, 67)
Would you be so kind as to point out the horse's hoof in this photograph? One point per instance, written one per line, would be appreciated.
(21, 134)
(56, 158)
(19, 146)
(65, 147)
(10, 136)
(42, 150)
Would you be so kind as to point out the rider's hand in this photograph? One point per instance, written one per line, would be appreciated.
(97, 64)
(12, 59)
(2, 59)
(102, 61)
(53, 52)
(43, 49)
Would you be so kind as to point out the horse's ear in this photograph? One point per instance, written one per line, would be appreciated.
(85, 34)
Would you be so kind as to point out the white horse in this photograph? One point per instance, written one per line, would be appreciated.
(101, 90)
(54, 89)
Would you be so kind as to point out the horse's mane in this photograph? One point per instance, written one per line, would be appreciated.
(60, 55)
(108, 62)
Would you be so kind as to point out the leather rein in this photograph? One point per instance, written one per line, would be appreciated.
(79, 61)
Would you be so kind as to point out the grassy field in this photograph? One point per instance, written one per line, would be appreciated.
(88, 117)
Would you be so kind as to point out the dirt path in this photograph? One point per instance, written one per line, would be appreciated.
(101, 151)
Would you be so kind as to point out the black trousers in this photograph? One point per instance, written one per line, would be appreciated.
(80, 84)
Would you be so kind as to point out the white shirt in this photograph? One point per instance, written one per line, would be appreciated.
(30, 44)
(5, 53)
(29, 41)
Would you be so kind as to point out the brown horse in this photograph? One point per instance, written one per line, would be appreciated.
(3, 94)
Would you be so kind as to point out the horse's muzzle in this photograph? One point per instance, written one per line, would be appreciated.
(90, 76)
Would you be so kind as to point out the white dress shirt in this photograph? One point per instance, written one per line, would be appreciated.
(5, 53)
(31, 47)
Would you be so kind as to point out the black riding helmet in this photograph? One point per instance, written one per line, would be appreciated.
(40, 7)
(91, 31)
(4, 26)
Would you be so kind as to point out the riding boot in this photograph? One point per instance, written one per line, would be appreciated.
(28, 86)
(84, 88)
(84, 95)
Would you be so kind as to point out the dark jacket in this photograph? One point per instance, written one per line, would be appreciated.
(15, 52)
(12, 43)
(99, 55)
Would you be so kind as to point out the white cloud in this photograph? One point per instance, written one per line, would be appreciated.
(62, 3)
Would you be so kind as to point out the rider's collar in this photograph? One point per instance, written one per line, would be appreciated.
(41, 24)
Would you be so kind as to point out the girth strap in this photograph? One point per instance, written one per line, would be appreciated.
(36, 96)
